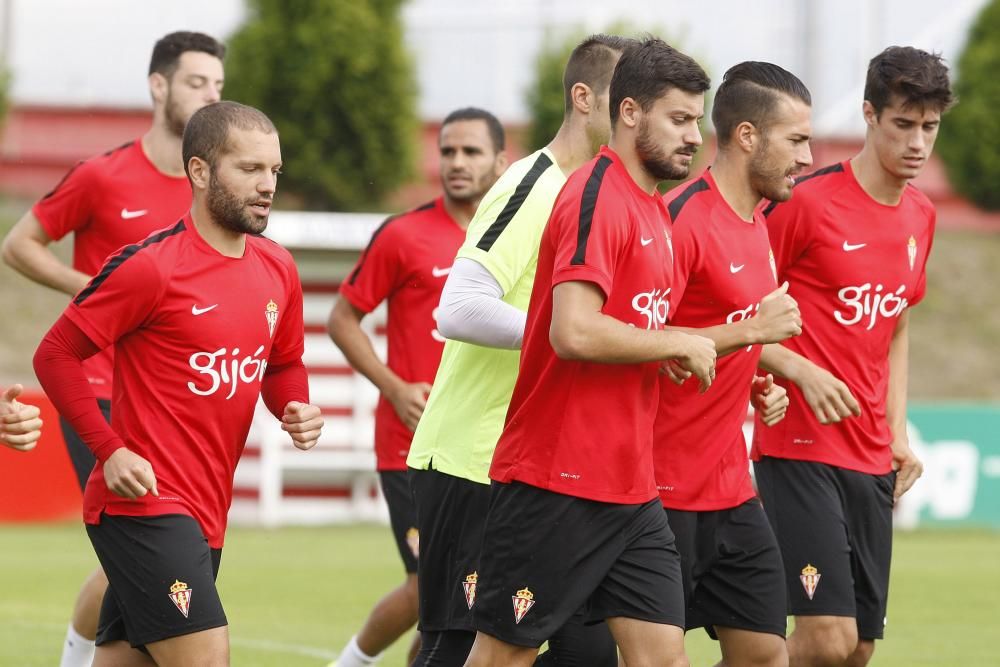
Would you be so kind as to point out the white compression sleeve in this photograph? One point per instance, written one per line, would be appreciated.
(472, 311)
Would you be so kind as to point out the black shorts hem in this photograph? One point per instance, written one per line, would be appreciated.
(764, 630)
(849, 613)
(142, 641)
(870, 635)
(491, 630)
(599, 615)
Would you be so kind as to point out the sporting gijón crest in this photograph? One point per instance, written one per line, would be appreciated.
(810, 579)
(523, 600)
(470, 588)
(180, 595)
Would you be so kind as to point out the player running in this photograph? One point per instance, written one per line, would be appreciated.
(725, 287)
(406, 263)
(107, 202)
(205, 316)
(853, 245)
(574, 516)
(482, 312)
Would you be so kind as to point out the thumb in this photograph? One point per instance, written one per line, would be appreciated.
(12, 393)
(424, 387)
(292, 407)
(778, 292)
(769, 379)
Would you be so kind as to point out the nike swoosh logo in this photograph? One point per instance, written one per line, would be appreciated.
(735, 269)
(128, 215)
(645, 242)
(195, 310)
(438, 273)
(858, 246)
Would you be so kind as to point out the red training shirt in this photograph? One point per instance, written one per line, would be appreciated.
(406, 261)
(194, 332)
(854, 265)
(722, 269)
(107, 202)
(575, 427)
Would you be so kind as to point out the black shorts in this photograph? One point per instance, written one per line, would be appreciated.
(834, 527)
(733, 576)
(161, 575)
(547, 554)
(402, 516)
(451, 514)
(80, 456)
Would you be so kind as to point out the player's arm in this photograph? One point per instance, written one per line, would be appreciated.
(908, 467)
(20, 426)
(580, 331)
(472, 308)
(285, 390)
(407, 398)
(26, 250)
(828, 397)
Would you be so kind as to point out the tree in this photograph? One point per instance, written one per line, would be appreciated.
(335, 78)
(969, 140)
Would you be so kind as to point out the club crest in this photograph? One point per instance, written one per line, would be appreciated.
(413, 541)
(523, 600)
(180, 595)
(271, 314)
(470, 588)
(810, 580)
(911, 251)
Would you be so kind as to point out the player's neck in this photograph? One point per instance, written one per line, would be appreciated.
(163, 148)
(227, 242)
(624, 147)
(877, 183)
(571, 146)
(734, 186)
(461, 211)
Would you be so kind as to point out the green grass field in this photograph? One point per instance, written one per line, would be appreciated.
(294, 596)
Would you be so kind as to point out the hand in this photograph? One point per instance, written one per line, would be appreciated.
(129, 475)
(768, 399)
(409, 400)
(907, 466)
(20, 427)
(828, 397)
(674, 372)
(778, 317)
(699, 359)
(303, 422)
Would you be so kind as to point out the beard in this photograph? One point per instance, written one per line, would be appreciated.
(174, 116)
(767, 178)
(230, 212)
(656, 161)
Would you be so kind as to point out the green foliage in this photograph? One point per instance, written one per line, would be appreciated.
(969, 140)
(4, 89)
(335, 78)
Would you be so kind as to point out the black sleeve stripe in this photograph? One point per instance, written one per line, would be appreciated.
(425, 207)
(513, 205)
(588, 202)
(119, 148)
(371, 242)
(832, 169)
(690, 191)
(120, 258)
(63, 180)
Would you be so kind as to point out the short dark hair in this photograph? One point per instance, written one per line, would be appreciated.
(497, 135)
(650, 68)
(591, 63)
(167, 51)
(750, 92)
(918, 77)
(207, 133)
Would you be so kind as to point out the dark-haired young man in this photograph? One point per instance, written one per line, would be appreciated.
(214, 311)
(482, 315)
(406, 263)
(574, 518)
(725, 287)
(106, 202)
(853, 244)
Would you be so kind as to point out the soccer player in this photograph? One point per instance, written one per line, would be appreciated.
(106, 202)
(482, 314)
(853, 244)
(574, 516)
(20, 426)
(725, 287)
(406, 263)
(205, 316)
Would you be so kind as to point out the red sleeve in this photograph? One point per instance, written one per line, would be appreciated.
(587, 245)
(289, 339)
(282, 384)
(68, 207)
(786, 229)
(378, 272)
(59, 366)
(685, 253)
(119, 298)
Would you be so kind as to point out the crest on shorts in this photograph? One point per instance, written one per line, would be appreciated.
(271, 314)
(413, 541)
(911, 251)
(180, 595)
(470, 588)
(524, 600)
(810, 579)
(774, 266)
